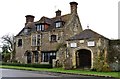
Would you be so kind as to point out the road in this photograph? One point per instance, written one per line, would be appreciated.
(21, 74)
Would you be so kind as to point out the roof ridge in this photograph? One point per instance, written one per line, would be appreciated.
(87, 33)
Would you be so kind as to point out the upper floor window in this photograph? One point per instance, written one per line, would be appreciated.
(25, 30)
(19, 42)
(58, 24)
(33, 40)
(40, 27)
(36, 40)
(53, 38)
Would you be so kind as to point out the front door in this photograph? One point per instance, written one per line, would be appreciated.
(29, 57)
(84, 58)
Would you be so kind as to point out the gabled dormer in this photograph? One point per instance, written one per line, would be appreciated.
(58, 19)
(59, 24)
(42, 26)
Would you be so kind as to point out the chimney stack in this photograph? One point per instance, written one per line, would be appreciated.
(58, 13)
(73, 6)
(29, 18)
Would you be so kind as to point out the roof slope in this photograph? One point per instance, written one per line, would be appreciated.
(87, 33)
(50, 21)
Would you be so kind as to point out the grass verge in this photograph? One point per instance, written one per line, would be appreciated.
(61, 70)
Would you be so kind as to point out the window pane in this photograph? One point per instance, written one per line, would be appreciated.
(58, 24)
(36, 56)
(19, 42)
(53, 38)
(46, 56)
(33, 40)
(38, 27)
(25, 30)
(38, 40)
(42, 27)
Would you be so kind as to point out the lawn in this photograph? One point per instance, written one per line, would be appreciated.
(84, 72)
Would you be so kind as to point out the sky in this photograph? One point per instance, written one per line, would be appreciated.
(100, 15)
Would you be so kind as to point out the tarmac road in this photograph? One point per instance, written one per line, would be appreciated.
(22, 74)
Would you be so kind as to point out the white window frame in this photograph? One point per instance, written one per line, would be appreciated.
(91, 43)
(73, 45)
(58, 24)
(40, 27)
(36, 38)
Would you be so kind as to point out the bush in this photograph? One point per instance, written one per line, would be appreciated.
(29, 65)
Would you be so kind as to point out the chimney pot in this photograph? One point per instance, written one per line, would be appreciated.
(58, 13)
(29, 18)
(73, 6)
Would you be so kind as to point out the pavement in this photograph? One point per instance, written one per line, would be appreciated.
(23, 74)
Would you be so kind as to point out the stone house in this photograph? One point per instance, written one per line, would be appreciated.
(60, 41)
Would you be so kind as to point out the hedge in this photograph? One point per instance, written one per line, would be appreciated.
(29, 65)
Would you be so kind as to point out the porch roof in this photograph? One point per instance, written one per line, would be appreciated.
(86, 34)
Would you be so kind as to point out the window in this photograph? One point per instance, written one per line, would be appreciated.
(40, 27)
(58, 24)
(33, 40)
(73, 44)
(91, 43)
(36, 56)
(53, 38)
(47, 56)
(29, 57)
(36, 40)
(19, 42)
(25, 30)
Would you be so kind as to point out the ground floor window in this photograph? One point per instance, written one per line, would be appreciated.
(29, 57)
(48, 56)
(36, 54)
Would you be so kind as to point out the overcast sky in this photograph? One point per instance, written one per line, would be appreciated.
(100, 15)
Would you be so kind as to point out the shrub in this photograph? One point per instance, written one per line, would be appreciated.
(29, 65)
(101, 65)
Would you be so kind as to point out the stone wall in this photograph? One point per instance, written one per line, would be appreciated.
(20, 51)
(100, 47)
(114, 55)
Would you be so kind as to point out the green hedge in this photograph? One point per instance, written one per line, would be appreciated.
(29, 65)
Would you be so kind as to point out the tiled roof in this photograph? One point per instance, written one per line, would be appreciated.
(86, 34)
(49, 21)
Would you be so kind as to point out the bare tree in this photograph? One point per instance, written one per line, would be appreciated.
(8, 41)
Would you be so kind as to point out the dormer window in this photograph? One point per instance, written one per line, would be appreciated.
(58, 24)
(25, 30)
(40, 27)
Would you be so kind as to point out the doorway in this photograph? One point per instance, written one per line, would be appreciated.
(29, 57)
(83, 58)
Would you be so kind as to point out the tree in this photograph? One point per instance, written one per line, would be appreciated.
(5, 53)
(9, 45)
(114, 54)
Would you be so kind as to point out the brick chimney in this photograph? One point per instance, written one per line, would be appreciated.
(29, 18)
(58, 13)
(73, 6)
